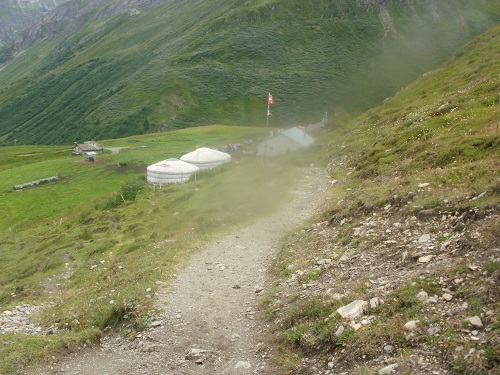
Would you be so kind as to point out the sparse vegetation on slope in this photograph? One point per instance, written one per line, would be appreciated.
(413, 222)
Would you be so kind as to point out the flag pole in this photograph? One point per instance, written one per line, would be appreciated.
(267, 117)
(270, 101)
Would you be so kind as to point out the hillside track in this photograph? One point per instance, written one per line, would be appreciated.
(210, 318)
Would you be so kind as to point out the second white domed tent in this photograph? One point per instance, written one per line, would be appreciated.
(170, 171)
(206, 158)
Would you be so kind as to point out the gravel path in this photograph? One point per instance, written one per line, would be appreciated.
(210, 321)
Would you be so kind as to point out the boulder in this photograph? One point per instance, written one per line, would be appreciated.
(353, 310)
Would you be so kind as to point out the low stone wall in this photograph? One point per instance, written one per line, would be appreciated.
(36, 182)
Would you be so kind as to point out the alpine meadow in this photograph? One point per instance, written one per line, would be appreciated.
(374, 251)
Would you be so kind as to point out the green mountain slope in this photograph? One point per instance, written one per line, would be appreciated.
(414, 211)
(131, 70)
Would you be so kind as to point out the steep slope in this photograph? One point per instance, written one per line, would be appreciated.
(15, 15)
(102, 68)
(411, 236)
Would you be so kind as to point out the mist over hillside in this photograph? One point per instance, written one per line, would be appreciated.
(108, 69)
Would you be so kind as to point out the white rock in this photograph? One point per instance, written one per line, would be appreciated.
(355, 326)
(433, 330)
(425, 258)
(195, 354)
(411, 325)
(404, 256)
(388, 369)
(242, 364)
(323, 261)
(423, 296)
(447, 297)
(331, 295)
(375, 301)
(339, 331)
(352, 310)
(424, 238)
(475, 321)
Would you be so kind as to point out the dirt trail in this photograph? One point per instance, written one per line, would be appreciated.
(210, 321)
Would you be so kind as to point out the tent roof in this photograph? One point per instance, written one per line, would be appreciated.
(174, 166)
(205, 155)
(298, 135)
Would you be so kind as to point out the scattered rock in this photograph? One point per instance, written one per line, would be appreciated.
(196, 355)
(375, 302)
(242, 364)
(352, 310)
(411, 325)
(475, 321)
(323, 261)
(339, 331)
(447, 297)
(424, 238)
(423, 296)
(425, 258)
(433, 330)
(388, 369)
(332, 296)
(355, 326)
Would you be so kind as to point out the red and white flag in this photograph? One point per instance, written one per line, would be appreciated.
(270, 99)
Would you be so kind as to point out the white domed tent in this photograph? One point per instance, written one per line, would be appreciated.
(206, 158)
(170, 171)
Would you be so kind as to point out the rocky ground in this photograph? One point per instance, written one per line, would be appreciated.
(396, 293)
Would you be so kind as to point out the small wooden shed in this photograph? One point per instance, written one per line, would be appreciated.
(87, 148)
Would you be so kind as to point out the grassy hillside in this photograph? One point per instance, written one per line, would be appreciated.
(101, 228)
(185, 64)
(429, 152)
(83, 181)
(414, 213)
